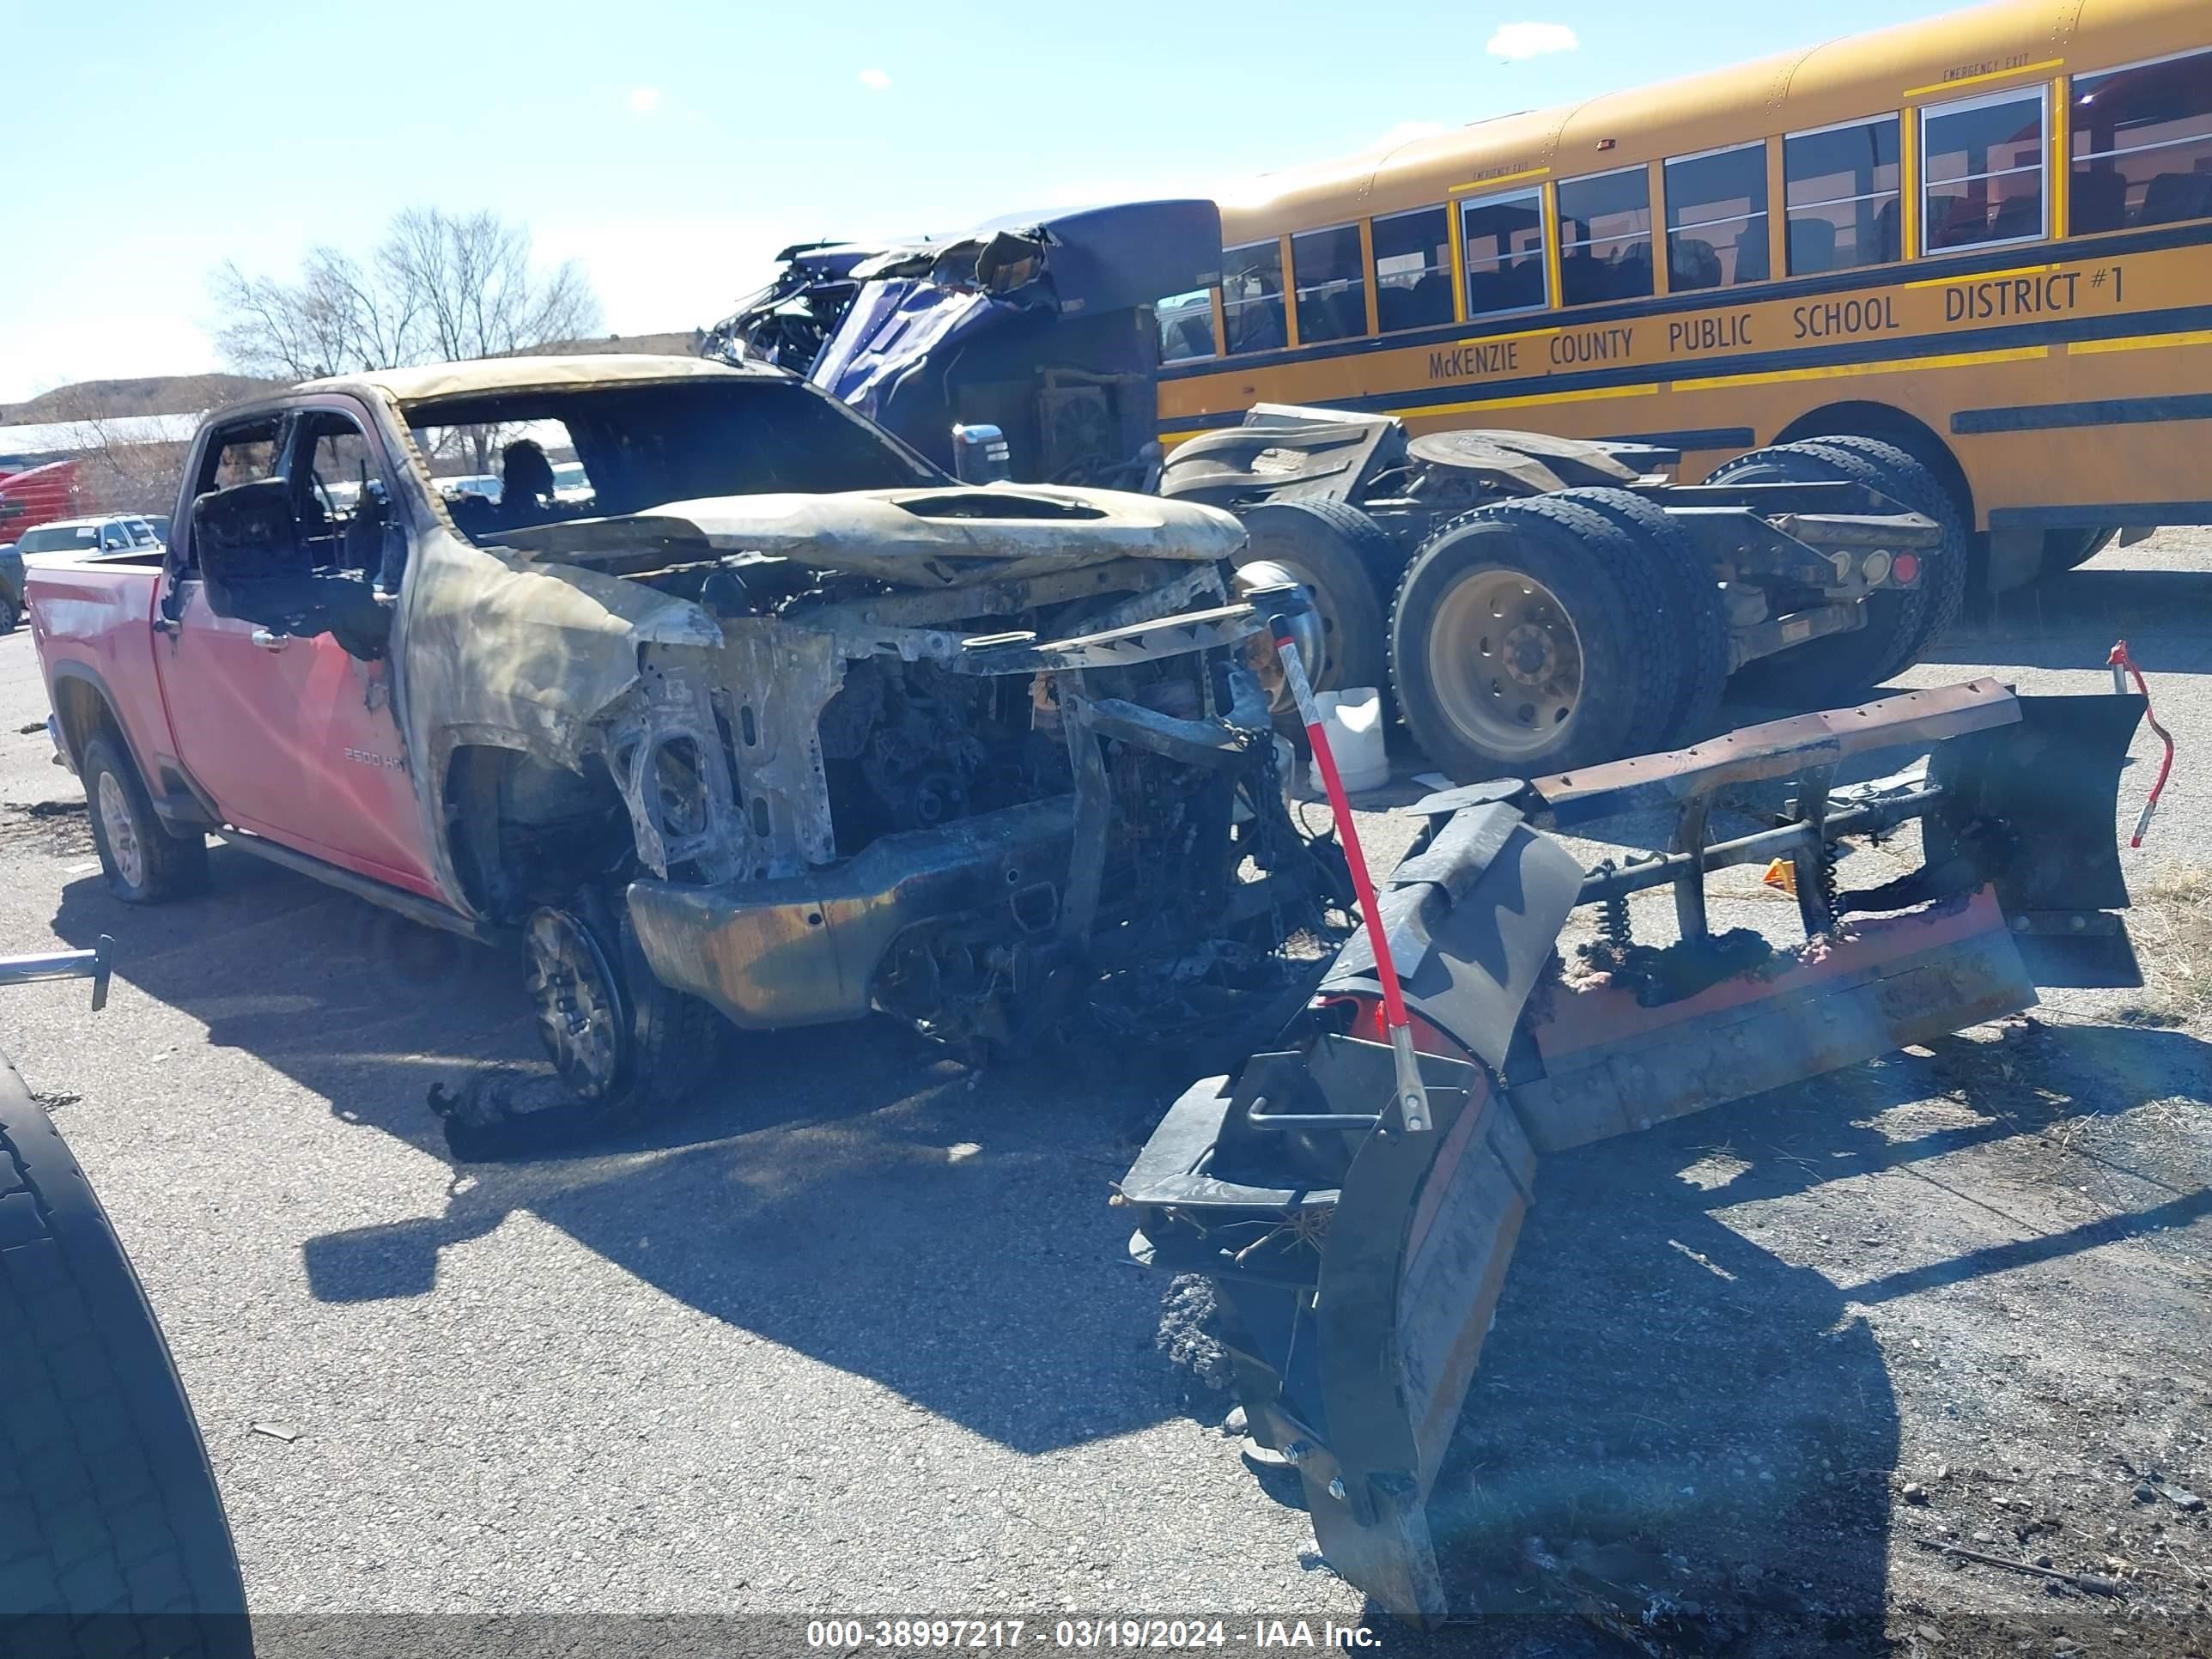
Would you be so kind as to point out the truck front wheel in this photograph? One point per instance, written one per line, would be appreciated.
(145, 862)
(621, 1042)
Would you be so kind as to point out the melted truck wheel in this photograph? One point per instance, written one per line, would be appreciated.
(622, 1044)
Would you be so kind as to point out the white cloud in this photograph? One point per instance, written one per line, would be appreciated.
(875, 80)
(1522, 40)
(643, 100)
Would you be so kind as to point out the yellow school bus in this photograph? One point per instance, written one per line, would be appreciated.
(1987, 237)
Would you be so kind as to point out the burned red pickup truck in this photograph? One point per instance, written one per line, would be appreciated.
(768, 717)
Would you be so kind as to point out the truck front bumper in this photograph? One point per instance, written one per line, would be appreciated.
(807, 949)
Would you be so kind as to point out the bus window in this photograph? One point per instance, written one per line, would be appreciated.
(1981, 165)
(1839, 194)
(1605, 237)
(1504, 237)
(2141, 145)
(1186, 324)
(1717, 219)
(1412, 269)
(1252, 297)
(1332, 289)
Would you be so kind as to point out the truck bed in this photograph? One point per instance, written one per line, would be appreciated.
(92, 620)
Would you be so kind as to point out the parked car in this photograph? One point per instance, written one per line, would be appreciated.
(11, 588)
(66, 539)
(776, 719)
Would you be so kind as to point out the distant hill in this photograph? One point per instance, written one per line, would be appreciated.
(152, 394)
(188, 394)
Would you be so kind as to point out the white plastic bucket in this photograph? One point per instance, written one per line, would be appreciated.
(1352, 719)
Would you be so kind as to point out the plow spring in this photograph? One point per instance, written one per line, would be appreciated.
(1357, 1259)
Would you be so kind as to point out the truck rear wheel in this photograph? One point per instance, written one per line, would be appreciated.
(1902, 476)
(144, 861)
(621, 1043)
(1701, 632)
(1531, 636)
(113, 1538)
(1835, 665)
(1343, 558)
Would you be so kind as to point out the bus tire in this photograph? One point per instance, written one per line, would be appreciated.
(2070, 550)
(1905, 478)
(1701, 632)
(1344, 559)
(1835, 666)
(112, 1537)
(1570, 678)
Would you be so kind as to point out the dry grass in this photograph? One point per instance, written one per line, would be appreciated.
(2171, 925)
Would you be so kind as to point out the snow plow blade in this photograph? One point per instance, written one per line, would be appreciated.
(1356, 1265)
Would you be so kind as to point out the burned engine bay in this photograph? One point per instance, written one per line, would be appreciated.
(1042, 789)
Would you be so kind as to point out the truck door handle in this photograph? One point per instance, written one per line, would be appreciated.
(269, 642)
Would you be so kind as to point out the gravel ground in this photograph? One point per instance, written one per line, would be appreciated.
(856, 1332)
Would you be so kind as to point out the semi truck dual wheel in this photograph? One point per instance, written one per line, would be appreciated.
(1835, 665)
(145, 862)
(1347, 561)
(113, 1539)
(1522, 640)
(1913, 483)
(1700, 632)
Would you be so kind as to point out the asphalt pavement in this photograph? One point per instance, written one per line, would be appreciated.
(853, 1333)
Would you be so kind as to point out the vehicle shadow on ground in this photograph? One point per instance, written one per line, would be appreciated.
(850, 1193)
(856, 1197)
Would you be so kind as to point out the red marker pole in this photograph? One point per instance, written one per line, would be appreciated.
(1412, 1094)
(2122, 664)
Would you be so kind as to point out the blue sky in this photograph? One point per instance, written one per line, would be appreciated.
(672, 146)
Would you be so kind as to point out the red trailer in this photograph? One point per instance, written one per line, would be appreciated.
(37, 494)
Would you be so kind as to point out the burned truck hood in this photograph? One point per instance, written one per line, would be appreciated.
(950, 536)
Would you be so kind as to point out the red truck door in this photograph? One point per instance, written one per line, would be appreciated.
(294, 738)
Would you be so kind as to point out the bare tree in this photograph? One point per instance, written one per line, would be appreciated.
(121, 468)
(440, 286)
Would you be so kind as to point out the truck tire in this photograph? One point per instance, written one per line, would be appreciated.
(1701, 635)
(145, 862)
(113, 1538)
(622, 1042)
(1905, 478)
(1568, 676)
(1836, 666)
(11, 612)
(2062, 550)
(1344, 558)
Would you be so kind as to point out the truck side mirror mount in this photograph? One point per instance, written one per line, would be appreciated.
(980, 455)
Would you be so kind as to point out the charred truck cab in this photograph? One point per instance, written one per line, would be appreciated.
(768, 716)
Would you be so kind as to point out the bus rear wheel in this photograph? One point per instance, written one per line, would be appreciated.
(2070, 550)
(1531, 636)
